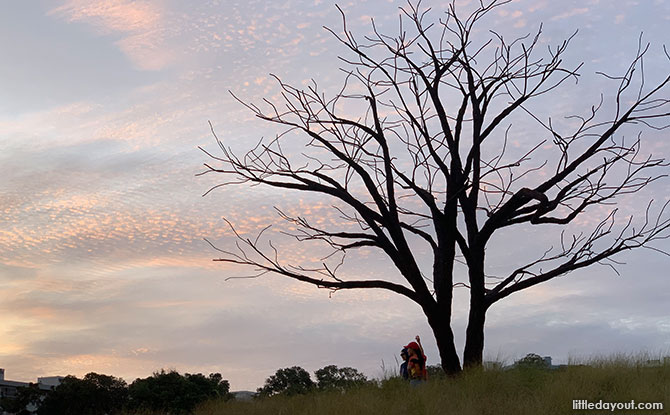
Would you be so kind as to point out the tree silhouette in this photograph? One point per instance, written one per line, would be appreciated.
(425, 165)
(29, 396)
(333, 378)
(288, 381)
(95, 394)
(532, 360)
(170, 392)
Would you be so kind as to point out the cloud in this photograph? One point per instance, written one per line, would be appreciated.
(136, 321)
(570, 13)
(537, 5)
(113, 15)
(141, 25)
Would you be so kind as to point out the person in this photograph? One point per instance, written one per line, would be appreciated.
(416, 363)
(403, 366)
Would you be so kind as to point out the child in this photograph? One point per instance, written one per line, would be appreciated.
(416, 364)
(403, 366)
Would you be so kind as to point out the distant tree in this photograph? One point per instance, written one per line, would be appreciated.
(435, 372)
(332, 377)
(532, 360)
(414, 156)
(289, 381)
(176, 394)
(212, 386)
(95, 394)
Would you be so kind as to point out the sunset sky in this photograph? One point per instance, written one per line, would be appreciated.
(103, 263)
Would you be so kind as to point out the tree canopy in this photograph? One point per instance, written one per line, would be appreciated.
(171, 392)
(532, 360)
(288, 381)
(95, 394)
(332, 377)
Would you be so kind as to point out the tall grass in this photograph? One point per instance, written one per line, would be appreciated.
(517, 391)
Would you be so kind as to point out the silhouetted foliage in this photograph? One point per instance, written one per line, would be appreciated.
(289, 381)
(435, 372)
(173, 393)
(95, 394)
(532, 360)
(30, 395)
(332, 377)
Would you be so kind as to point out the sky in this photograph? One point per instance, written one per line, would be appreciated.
(103, 263)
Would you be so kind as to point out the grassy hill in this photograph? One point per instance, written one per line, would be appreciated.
(516, 391)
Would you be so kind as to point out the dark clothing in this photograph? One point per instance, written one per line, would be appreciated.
(403, 371)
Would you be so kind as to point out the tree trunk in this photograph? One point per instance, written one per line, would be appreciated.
(444, 336)
(474, 341)
(474, 335)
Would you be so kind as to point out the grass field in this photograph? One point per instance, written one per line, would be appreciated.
(517, 391)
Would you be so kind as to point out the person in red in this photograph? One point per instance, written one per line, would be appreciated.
(416, 364)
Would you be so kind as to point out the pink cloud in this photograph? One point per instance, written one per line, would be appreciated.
(113, 15)
(141, 22)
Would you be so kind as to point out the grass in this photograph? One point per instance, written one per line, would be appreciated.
(518, 391)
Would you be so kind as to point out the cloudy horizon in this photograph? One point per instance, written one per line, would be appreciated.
(104, 265)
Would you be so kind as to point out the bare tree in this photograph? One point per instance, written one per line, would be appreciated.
(427, 160)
